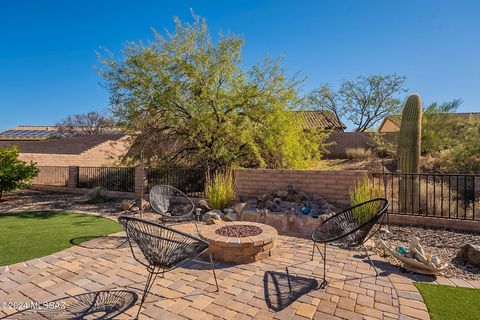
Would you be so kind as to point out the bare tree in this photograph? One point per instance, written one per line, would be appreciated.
(364, 101)
(88, 123)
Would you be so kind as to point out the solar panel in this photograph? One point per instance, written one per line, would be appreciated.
(29, 133)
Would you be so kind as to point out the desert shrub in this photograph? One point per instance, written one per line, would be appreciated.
(464, 155)
(382, 146)
(363, 192)
(220, 188)
(14, 173)
(97, 195)
(359, 153)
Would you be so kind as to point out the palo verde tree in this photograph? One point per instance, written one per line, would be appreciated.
(188, 101)
(364, 101)
(14, 173)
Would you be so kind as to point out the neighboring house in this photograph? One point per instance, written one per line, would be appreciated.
(46, 146)
(324, 119)
(392, 123)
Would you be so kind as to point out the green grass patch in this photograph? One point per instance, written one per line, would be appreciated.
(29, 235)
(450, 303)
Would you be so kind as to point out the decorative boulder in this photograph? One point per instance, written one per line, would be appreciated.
(238, 207)
(230, 216)
(126, 205)
(203, 204)
(212, 215)
(469, 254)
(145, 204)
(369, 245)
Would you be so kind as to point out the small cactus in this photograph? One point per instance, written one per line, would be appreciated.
(409, 152)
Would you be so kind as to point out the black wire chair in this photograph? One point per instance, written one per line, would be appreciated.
(350, 228)
(172, 205)
(163, 248)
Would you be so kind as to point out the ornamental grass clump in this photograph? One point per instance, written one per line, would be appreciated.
(220, 188)
(363, 192)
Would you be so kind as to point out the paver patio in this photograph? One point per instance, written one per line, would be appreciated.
(280, 287)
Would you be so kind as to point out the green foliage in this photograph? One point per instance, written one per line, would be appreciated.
(14, 173)
(220, 189)
(464, 155)
(190, 102)
(450, 303)
(410, 136)
(97, 195)
(439, 126)
(363, 192)
(383, 147)
(30, 235)
(364, 101)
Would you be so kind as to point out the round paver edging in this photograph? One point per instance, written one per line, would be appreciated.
(240, 249)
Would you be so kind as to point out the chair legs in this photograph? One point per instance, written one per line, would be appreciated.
(196, 225)
(152, 275)
(324, 257)
(370, 260)
(213, 269)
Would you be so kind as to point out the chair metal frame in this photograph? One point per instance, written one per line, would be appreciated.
(161, 196)
(359, 234)
(160, 260)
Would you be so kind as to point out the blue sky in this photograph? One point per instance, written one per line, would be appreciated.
(47, 48)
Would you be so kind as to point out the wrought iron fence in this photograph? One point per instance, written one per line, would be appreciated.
(51, 176)
(189, 181)
(108, 178)
(453, 196)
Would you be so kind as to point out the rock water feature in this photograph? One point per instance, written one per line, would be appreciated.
(289, 210)
(290, 200)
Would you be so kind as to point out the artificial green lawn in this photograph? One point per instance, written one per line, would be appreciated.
(450, 303)
(29, 235)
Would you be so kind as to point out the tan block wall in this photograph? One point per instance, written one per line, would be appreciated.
(334, 186)
(451, 224)
(104, 154)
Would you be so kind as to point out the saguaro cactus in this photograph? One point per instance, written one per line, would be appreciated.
(409, 152)
(410, 136)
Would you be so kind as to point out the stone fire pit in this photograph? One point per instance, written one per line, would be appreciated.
(239, 242)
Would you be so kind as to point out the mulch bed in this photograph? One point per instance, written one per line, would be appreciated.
(440, 242)
(238, 231)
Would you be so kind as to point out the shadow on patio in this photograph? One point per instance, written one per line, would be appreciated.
(92, 305)
(282, 289)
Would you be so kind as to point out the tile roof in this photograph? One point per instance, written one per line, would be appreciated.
(320, 119)
(65, 145)
(397, 118)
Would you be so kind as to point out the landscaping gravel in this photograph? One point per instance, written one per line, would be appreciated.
(32, 200)
(440, 242)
